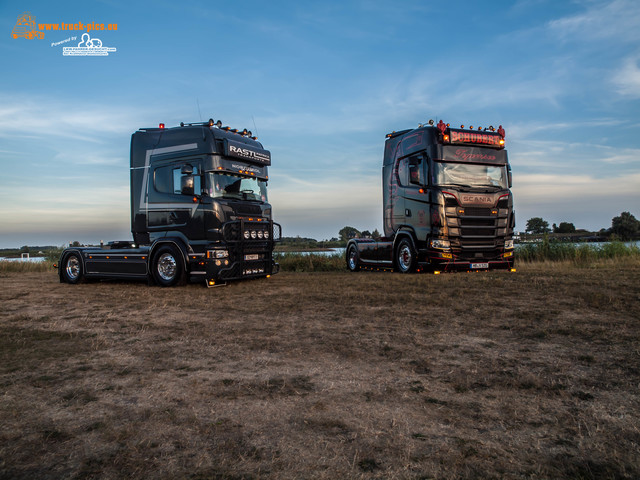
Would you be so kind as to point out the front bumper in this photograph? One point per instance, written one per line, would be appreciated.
(448, 262)
(250, 257)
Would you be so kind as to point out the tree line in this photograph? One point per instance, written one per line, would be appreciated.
(624, 227)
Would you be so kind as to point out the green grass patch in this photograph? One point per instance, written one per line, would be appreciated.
(23, 267)
(549, 250)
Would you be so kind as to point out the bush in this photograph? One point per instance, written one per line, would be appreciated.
(296, 262)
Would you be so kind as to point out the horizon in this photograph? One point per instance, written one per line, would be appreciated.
(320, 85)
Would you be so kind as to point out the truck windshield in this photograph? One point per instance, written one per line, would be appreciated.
(470, 175)
(234, 186)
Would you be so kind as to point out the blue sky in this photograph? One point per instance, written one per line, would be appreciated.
(321, 83)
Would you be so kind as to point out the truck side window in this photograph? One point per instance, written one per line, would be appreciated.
(410, 172)
(162, 180)
(177, 176)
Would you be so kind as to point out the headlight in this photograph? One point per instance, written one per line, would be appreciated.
(442, 244)
(266, 234)
(222, 254)
(247, 234)
(260, 234)
(253, 234)
(508, 244)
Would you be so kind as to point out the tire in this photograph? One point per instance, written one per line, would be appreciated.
(406, 257)
(353, 258)
(167, 267)
(72, 270)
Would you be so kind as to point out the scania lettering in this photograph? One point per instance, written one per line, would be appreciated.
(199, 211)
(447, 203)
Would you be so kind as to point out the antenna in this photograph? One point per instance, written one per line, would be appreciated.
(254, 125)
(198, 104)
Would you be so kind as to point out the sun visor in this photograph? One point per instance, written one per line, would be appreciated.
(473, 155)
(248, 153)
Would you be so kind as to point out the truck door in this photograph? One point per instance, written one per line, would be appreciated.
(399, 180)
(174, 199)
(412, 176)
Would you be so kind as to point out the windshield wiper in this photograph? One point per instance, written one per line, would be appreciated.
(461, 185)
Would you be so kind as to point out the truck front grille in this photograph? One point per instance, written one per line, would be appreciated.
(474, 232)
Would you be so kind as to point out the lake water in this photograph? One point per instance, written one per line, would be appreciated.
(29, 259)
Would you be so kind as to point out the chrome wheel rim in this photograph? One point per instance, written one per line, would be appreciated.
(352, 259)
(167, 266)
(73, 268)
(404, 258)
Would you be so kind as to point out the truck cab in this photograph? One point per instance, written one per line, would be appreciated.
(447, 203)
(199, 211)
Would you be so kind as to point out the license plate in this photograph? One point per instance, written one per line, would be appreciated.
(479, 265)
(253, 256)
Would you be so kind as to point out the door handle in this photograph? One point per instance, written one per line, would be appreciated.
(407, 212)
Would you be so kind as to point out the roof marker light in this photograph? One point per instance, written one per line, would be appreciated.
(161, 125)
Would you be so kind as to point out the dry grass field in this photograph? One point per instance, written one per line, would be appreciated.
(328, 375)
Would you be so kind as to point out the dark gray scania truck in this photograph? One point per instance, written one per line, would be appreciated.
(447, 203)
(199, 211)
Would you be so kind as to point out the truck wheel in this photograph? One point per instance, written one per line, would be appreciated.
(405, 257)
(167, 268)
(353, 259)
(72, 269)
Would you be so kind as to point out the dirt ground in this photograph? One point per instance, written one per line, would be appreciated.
(534, 374)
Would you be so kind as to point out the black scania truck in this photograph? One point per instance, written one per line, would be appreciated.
(447, 203)
(199, 211)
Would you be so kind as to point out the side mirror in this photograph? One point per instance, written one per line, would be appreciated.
(186, 170)
(186, 184)
(510, 180)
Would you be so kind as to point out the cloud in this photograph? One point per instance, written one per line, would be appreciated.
(556, 188)
(39, 116)
(616, 20)
(627, 78)
(587, 201)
